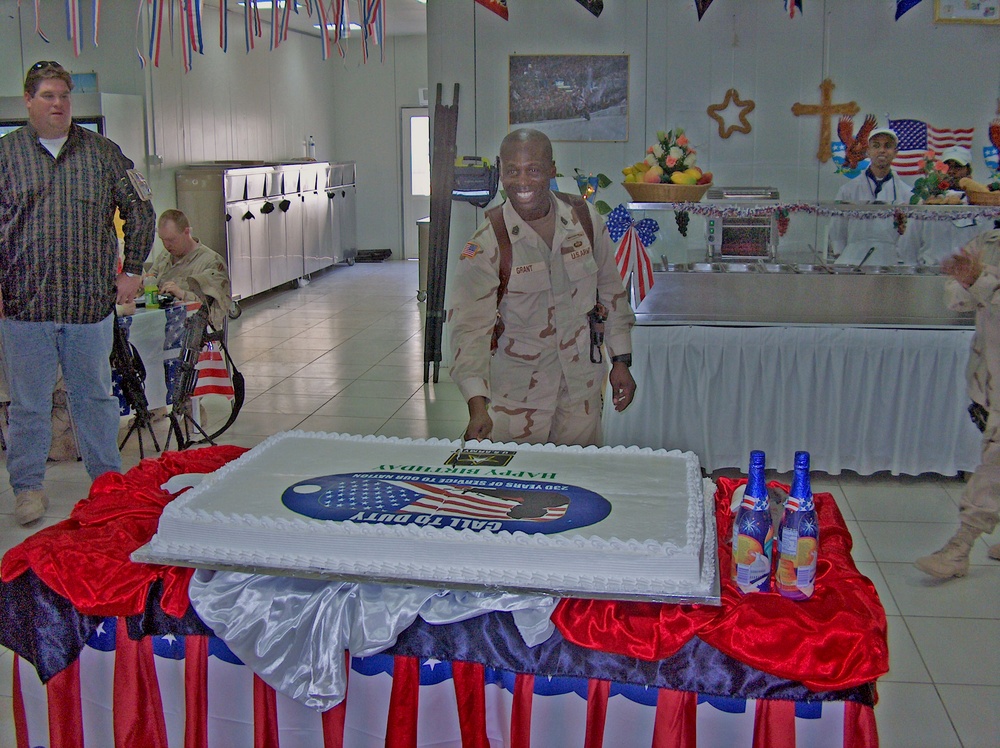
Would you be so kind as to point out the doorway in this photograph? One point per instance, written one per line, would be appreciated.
(416, 160)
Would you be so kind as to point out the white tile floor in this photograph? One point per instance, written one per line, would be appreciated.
(345, 354)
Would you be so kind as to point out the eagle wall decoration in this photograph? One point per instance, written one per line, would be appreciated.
(855, 146)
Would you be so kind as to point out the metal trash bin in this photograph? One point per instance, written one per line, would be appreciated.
(423, 248)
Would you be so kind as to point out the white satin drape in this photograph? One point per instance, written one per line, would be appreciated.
(293, 632)
(861, 399)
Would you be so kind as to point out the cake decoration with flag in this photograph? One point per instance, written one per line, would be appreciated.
(481, 504)
(917, 137)
(633, 237)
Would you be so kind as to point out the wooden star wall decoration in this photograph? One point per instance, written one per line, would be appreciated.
(746, 106)
(825, 109)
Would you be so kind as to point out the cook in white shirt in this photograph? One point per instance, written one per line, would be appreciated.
(851, 238)
(929, 242)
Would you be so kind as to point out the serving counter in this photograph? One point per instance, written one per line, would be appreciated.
(865, 370)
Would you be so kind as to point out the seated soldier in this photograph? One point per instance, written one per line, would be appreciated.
(189, 270)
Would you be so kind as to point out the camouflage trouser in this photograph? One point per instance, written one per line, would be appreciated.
(564, 422)
(980, 506)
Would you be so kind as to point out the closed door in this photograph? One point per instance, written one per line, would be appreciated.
(416, 160)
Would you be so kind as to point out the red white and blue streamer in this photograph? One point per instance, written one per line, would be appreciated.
(631, 257)
(73, 25)
(155, 32)
(325, 27)
(38, 21)
(341, 24)
(97, 19)
(223, 25)
(372, 25)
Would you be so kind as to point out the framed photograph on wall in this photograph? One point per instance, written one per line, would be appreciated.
(967, 11)
(570, 97)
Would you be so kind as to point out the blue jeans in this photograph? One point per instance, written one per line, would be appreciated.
(32, 353)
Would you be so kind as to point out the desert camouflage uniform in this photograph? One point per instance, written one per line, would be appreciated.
(201, 272)
(541, 383)
(980, 506)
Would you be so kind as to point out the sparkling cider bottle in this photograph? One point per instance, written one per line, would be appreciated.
(798, 537)
(753, 534)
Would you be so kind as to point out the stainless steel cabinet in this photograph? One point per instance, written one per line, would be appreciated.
(273, 223)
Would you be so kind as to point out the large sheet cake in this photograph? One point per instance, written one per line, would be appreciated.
(592, 522)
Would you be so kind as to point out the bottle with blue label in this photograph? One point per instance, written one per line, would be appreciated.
(753, 535)
(798, 537)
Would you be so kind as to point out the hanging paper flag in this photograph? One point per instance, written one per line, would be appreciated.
(286, 18)
(38, 21)
(138, 24)
(916, 138)
(341, 24)
(701, 6)
(372, 25)
(73, 25)
(185, 46)
(594, 6)
(497, 6)
(904, 5)
(631, 256)
(97, 19)
(155, 29)
(194, 26)
(223, 25)
(790, 7)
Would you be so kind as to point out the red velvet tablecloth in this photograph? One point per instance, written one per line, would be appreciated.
(836, 639)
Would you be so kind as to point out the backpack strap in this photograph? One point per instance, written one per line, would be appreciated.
(495, 214)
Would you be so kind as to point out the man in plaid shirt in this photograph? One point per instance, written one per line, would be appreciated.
(59, 187)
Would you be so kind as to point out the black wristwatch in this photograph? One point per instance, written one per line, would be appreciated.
(623, 358)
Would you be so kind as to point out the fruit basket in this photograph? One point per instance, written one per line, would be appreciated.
(652, 192)
(978, 198)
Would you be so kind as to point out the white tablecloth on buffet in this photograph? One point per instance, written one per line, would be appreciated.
(861, 399)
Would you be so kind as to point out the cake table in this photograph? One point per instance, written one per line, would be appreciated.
(110, 651)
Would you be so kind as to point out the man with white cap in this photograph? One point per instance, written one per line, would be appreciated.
(851, 239)
(928, 242)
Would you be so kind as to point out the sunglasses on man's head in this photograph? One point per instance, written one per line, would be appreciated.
(44, 64)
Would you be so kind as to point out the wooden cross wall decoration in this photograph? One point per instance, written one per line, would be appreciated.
(825, 109)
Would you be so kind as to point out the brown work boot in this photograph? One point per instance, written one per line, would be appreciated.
(953, 559)
(30, 506)
(994, 552)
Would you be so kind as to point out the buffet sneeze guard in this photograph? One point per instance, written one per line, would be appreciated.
(741, 238)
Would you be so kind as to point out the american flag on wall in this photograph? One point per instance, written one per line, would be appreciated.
(916, 138)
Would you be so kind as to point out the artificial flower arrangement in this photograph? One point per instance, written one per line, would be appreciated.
(933, 187)
(671, 160)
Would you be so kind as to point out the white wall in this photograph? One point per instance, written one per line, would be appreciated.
(235, 105)
(945, 74)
